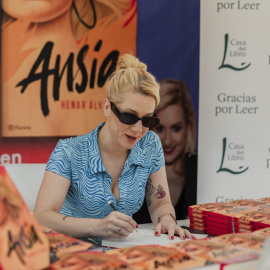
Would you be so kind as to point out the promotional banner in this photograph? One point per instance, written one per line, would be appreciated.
(234, 148)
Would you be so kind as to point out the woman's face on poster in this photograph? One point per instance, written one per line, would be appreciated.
(36, 10)
(172, 132)
(193, 248)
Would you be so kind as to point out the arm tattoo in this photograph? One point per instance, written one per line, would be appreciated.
(149, 190)
(64, 218)
(160, 192)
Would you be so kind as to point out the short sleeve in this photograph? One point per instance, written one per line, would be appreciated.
(157, 155)
(59, 161)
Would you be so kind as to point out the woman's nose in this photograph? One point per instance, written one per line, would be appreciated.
(167, 138)
(137, 127)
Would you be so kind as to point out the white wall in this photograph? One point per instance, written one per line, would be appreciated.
(27, 178)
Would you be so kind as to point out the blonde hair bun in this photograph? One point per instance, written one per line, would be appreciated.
(131, 75)
(127, 61)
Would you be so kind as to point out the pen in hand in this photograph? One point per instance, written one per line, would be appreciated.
(114, 208)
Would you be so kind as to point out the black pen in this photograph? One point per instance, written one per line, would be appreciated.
(112, 206)
(115, 208)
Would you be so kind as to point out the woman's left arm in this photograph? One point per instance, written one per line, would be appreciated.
(160, 207)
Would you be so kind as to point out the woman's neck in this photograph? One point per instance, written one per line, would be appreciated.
(108, 146)
(176, 184)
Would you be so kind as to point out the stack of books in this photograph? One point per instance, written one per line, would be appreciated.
(219, 218)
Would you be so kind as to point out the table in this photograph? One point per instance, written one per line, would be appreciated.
(183, 222)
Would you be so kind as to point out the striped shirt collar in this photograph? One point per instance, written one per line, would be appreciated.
(135, 156)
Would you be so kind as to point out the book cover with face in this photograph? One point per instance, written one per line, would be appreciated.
(156, 257)
(61, 244)
(89, 260)
(245, 240)
(216, 252)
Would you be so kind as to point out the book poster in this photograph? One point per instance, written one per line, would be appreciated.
(57, 56)
(234, 148)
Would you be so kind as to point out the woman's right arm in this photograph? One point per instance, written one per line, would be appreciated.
(49, 203)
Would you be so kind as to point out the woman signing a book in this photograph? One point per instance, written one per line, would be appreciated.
(116, 165)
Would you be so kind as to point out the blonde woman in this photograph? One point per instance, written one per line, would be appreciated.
(111, 164)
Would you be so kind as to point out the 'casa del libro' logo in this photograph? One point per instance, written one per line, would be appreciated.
(232, 158)
(235, 54)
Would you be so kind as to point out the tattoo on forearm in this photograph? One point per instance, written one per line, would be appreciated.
(149, 190)
(160, 192)
(64, 218)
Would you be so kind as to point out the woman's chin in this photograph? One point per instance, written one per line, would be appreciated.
(169, 163)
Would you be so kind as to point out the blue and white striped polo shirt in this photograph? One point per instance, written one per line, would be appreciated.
(78, 159)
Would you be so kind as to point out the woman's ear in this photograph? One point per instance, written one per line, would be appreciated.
(106, 107)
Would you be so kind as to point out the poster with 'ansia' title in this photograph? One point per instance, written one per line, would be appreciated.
(56, 57)
(234, 148)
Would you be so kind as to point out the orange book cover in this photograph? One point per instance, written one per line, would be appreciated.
(54, 80)
(263, 232)
(248, 203)
(89, 260)
(61, 244)
(204, 208)
(215, 252)
(23, 243)
(265, 199)
(156, 257)
(246, 240)
(216, 209)
(258, 218)
(201, 248)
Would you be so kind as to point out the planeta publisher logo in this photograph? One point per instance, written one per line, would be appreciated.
(235, 52)
(16, 127)
(232, 155)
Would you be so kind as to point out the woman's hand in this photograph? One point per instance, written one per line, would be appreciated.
(115, 225)
(167, 225)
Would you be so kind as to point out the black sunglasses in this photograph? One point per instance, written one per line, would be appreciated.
(131, 119)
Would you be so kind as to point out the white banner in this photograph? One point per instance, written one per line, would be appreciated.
(234, 110)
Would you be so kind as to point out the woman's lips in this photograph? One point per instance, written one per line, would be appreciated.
(168, 151)
(130, 138)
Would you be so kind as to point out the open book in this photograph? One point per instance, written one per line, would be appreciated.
(144, 237)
